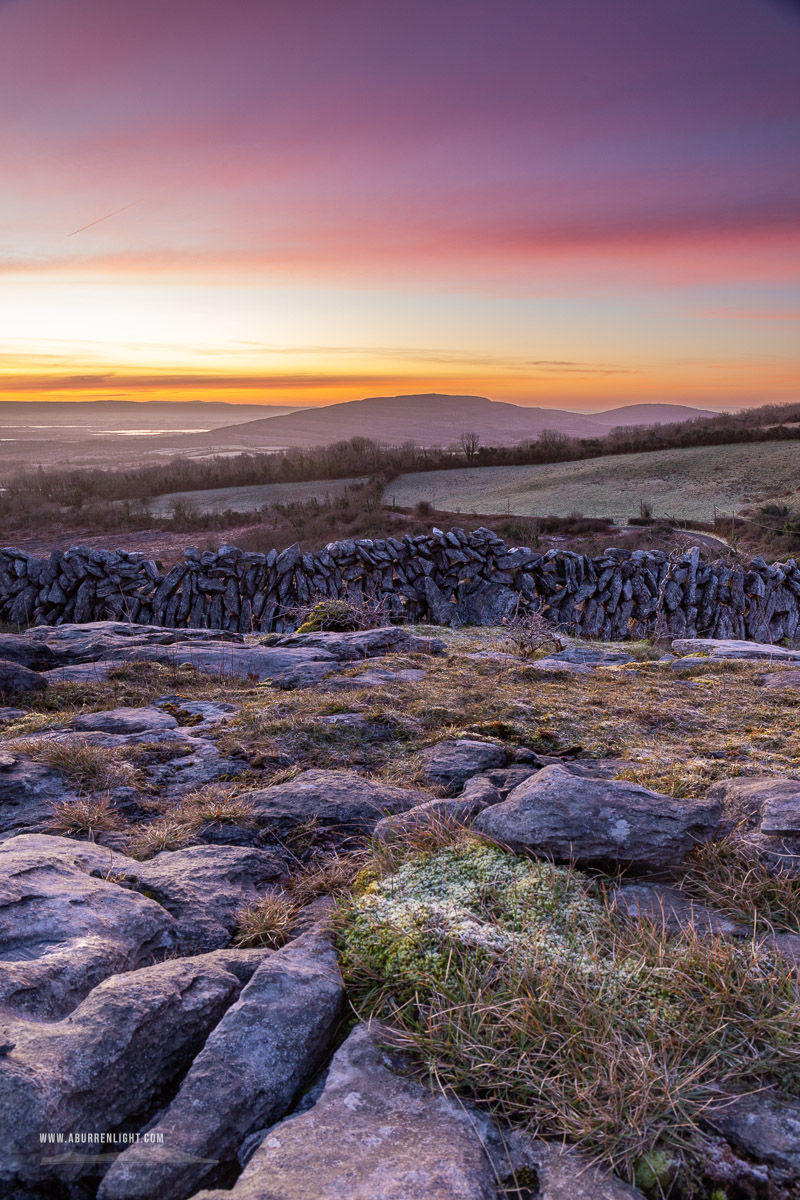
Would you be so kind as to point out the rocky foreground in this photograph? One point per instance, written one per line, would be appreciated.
(236, 875)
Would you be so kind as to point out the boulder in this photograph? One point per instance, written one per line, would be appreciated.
(488, 604)
(765, 813)
(16, 680)
(460, 810)
(106, 1062)
(373, 1134)
(18, 648)
(203, 888)
(65, 924)
(247, 1076)
(28, 791)
(598, 822)
(334, 798)
(451, 763)
(746, 799)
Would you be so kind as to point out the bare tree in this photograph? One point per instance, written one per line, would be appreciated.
(470, 444)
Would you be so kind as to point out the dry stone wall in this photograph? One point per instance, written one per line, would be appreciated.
(452, 578)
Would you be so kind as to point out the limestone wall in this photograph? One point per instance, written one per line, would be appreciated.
(451, 578)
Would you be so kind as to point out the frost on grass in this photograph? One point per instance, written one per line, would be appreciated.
(516, 983)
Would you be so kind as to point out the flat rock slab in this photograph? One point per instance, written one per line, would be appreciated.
(9, 714)
(197, 715)
(125, 720)
(342, 799)
(203, 888)
(673, 910)
(764, 1126)
(593, 822)
(451, 763)
(372, 1135)
(558, 664)
(592, 656)
(91, 672)
(564, 1174)
(722, 648)
(378, 677)
(249, 1073)
(284, 668)
(781, 679)
(105, 1062)
(363, 643)
(65, 924)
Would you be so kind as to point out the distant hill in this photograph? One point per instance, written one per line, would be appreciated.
(437, 420)
(649, 414)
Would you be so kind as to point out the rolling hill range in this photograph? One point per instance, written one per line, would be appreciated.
(436, 420)
(685, 483)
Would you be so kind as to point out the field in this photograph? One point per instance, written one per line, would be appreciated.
(686, 484)
(247, 499)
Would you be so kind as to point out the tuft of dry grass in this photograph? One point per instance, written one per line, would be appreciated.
(730, 876)
(88, 767)
(164, 833)
(331, 877)
(214, 803)
(267, 922)
(85, 817)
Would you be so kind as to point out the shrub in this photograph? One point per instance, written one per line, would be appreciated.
(340, 616)
(529, 631)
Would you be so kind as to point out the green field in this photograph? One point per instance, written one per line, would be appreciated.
(246, 499)
(686, 484)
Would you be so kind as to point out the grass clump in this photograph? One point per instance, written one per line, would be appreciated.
(164, 833)
(267, 922)
(213, 803)
(730, 876)
(516, 983)
(85, 817)
(88, 767)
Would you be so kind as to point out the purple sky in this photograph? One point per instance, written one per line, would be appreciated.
(362, 194)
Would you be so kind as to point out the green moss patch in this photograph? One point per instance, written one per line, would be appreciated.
(516, 983)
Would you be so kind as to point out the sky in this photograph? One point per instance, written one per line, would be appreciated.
(569, 203)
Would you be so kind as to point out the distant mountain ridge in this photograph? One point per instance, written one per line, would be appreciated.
(435, 419)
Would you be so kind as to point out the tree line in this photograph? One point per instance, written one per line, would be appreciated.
(48, 490)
